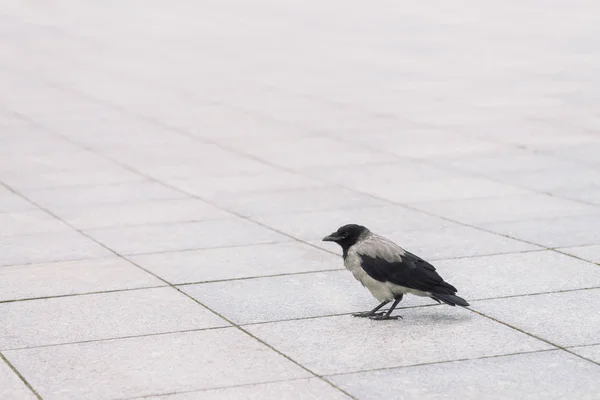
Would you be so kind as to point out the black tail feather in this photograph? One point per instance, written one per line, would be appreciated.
(450, 299)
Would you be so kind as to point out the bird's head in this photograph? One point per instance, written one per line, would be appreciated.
(347, 235)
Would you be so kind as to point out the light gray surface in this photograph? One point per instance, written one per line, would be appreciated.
(185, 236)
(221, 140)
(425, 335)
(294, 296)
(518, 274)
(301, 389)
(501, 378)
(100, 316)
(71, 277)
(589, 352)
(147, 365)
(237, 262)
(47, 247)
(566, 319)
(12, 387)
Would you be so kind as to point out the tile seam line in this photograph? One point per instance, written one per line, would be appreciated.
(410, 307)
(459, 360)
(268, 345)
(111, 339)
(557, 346)
(213, 388)
(202, 305)
(141, 174)
(279, 275)
(19, 376)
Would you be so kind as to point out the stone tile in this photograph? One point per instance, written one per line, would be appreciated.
(100, 316)
(236, 262)
(554, 179)
(102, 194)
(313, 226)
(12, 387)
(185, 236)
(513, 160)
(589, 352)
(138, 367)
(590, 253)
(426, 334)
(590, 195)
(361, 177)
(10, 202)
(219, 187)
(300, 389)
(48, 247)
(505, 209)
(553, 232)
(446, 189)
(566, 319)
(279, 202)
(295, 296)
(455, 241)
(71, 277)
(325, 152)
(58, 178)
(30, 222)
(141, 213)
(425, 143)
(518, 274)
(500, 378)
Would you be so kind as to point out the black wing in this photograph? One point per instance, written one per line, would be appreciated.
(411, 271)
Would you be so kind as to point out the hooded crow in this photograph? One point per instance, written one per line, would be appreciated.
(389, 271)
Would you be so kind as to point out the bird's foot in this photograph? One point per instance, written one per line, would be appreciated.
(382, 317)
(366, 314)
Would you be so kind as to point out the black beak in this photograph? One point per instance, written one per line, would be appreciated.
(330, 238)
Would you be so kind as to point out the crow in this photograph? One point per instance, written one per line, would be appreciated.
(388, 271)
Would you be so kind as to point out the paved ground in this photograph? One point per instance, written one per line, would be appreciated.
(168, 168)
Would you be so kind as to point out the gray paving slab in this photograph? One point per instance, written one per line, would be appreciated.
(444, 189)
(506, 208)
(185, 236)
(325, 152)
(566, 319)
(93, 195)
(456, 241)
(589, 352)
(10, 202)
(150, 365)
(300, 389)
(500, 378)
(12, 386)
(22, 180)
(71, 277)
(221, 187)
(288, 297)
(30, 222)
(426, 334)
(237, 262)
(553, 232)
(590, 253)
(100, 316)
(314, 225)
(518, 274)
(300, 200)
(140, 213)
(47, 247)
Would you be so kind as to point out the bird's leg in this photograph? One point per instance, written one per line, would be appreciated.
(372, 312)
(387, 314)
